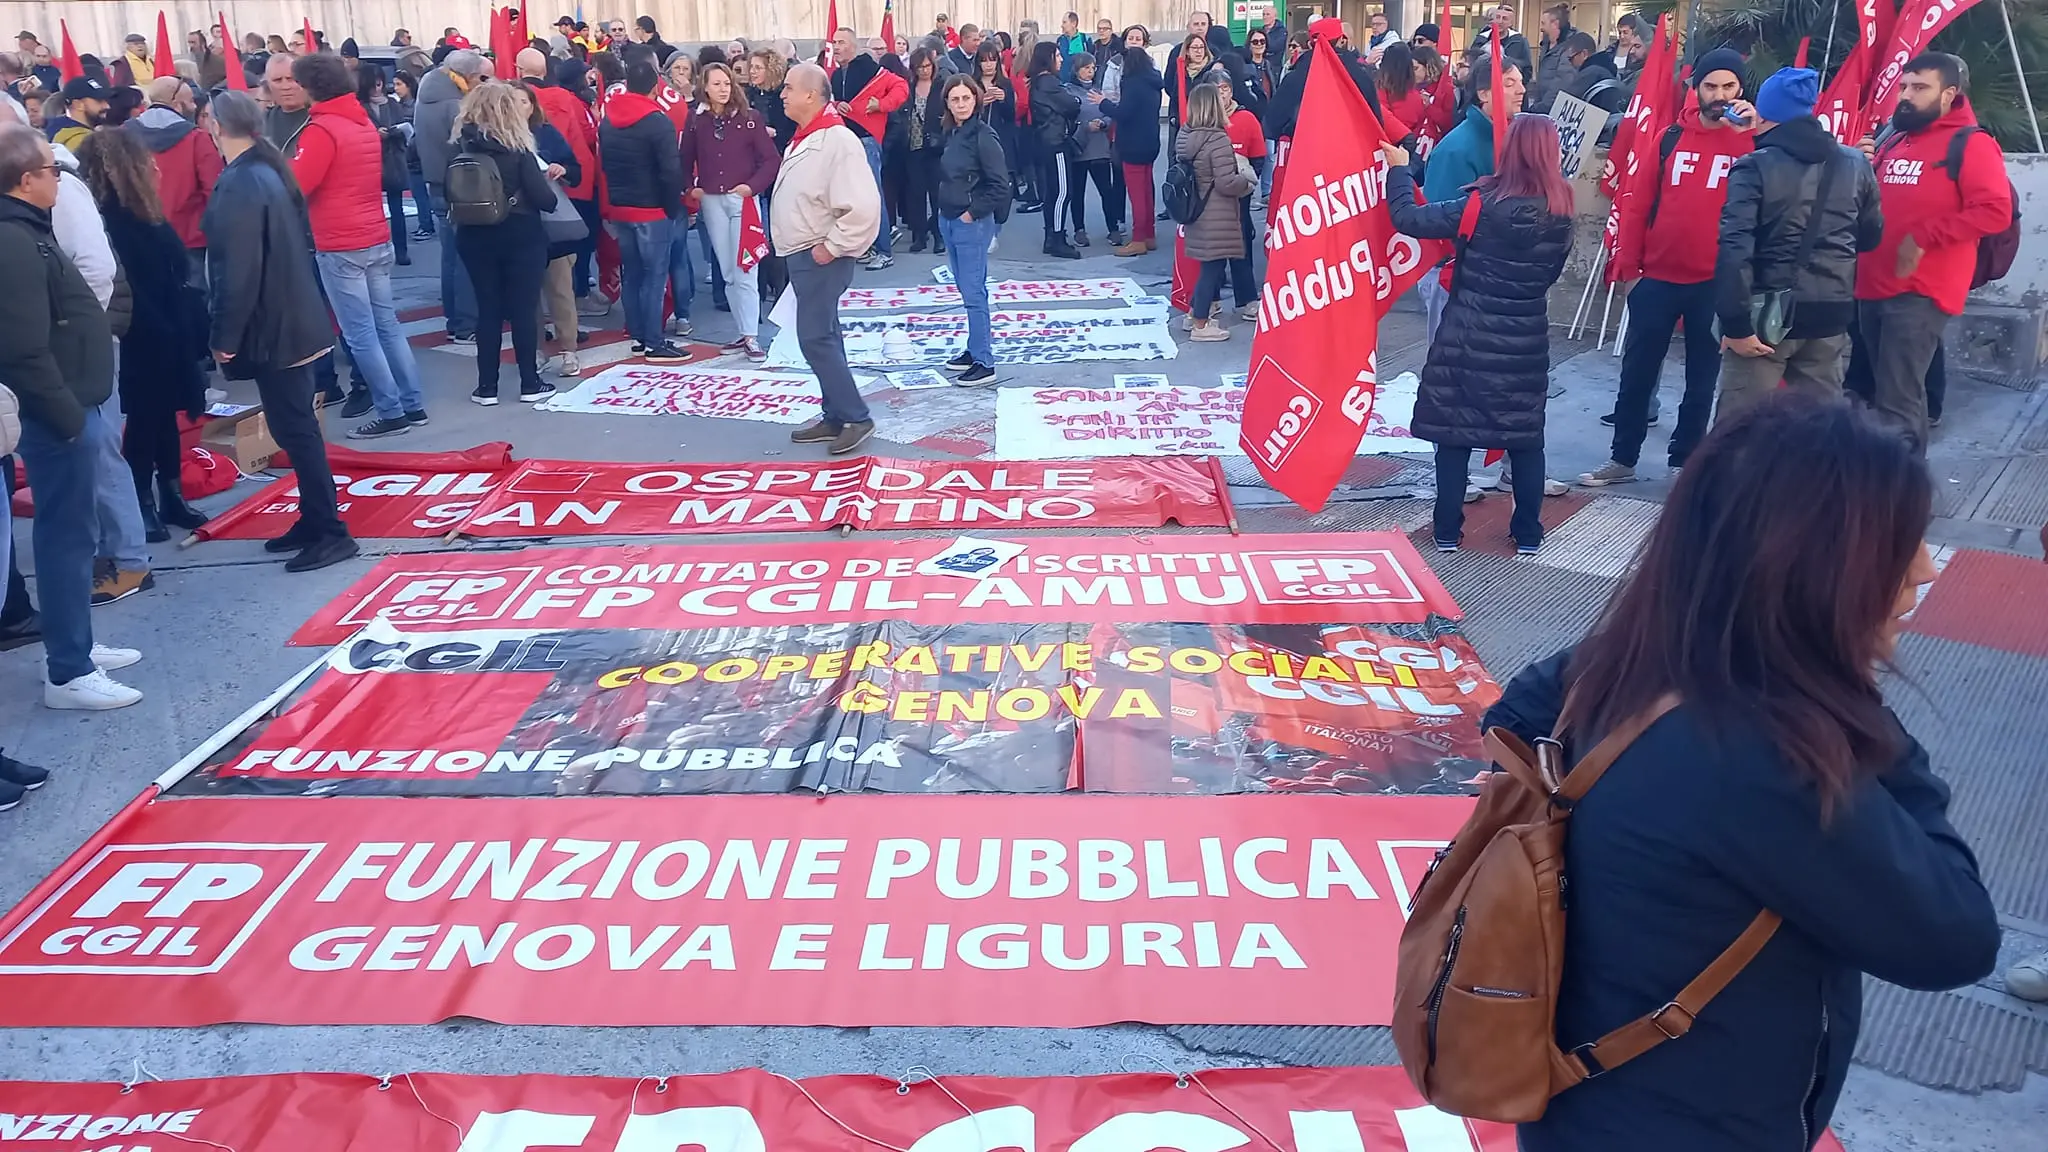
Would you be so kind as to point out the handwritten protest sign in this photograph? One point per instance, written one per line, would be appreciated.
(1020, 336)
(1002, 293)
(1578, 130)
(1144, 416)
(642, 390)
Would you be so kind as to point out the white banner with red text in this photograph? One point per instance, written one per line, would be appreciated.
(1144, 415)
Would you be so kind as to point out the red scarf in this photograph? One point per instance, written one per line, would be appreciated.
(826, 118)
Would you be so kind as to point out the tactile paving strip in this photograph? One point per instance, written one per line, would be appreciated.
(1602, 538)
(2021, 494)
(1517, 612)
(1967, 1041)
(1989, 598)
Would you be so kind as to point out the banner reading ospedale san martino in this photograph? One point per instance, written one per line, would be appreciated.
(843, 910)
(1308, 1109)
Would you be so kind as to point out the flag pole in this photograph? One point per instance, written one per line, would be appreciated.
(1600, 337)
(2020, 70)
(1579, 316)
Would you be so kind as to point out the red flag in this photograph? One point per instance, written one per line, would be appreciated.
(502, 64)
(1334, 265)
(825, 60)
(166, 61)
(1635, 178)
(1799, 57)
(68, 63)
(312, 41)
(889, 24)
(520, 36)
(1443, 31)
(231, 56)
(1915, 26)
(1500, 101)
(753, 238)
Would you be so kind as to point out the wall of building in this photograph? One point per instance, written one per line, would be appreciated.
(2027, 284)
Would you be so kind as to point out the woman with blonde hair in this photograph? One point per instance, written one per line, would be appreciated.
(1222, 178)
(506, 260)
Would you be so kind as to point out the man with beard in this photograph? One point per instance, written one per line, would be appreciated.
(85, 105)
(1799, 210)
(1943, 185)
(1696, 155)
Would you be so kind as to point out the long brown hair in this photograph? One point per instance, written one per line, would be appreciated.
(1763, 594)
(118, 168)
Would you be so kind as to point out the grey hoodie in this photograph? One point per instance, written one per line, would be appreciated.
(433, 121)
(160, 128)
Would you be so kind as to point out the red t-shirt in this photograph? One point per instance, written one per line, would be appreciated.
(1246, 134)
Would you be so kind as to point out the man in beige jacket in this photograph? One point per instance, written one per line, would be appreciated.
(824, 213)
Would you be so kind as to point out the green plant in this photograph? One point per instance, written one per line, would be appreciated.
(1771, 34)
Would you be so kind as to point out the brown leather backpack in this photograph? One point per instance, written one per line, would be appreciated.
(1475, 994)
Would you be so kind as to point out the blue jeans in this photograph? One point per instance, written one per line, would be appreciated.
(359, 290)
(710, 254)
(62, 474)
(874, 150)
(117, 516)
(682, 273)
(643, 253)
(967, 256)
(423, 201)
(458, 298)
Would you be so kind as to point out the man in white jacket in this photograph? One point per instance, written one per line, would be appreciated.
(824, 214)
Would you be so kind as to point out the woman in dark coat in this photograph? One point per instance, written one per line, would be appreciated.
(1488, 371)
(159, 376)
(1135, 111)
(1222, 178)
(394, 128)
(1053, 112)
(999, 104)
(508, 260)
(916, 125)
(558, 282)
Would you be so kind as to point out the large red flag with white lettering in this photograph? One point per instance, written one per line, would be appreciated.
(1918, 22)
(1633, 180)
(1334, 266)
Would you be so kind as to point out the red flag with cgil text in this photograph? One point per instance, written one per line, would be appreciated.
(1916, 25)
(1334, 266)
(1633, 179)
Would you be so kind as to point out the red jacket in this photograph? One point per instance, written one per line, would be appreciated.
(888, 91)
(573, 121)
(340, 167)
(1684, 234)
(1944, 217)
(187, 164)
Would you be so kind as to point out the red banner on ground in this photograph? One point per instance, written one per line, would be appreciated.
(483, 493)
(1309, 579)
(393, 495)
(1035, 911)
(1336, 266)
(1306, 1109)
(567, 497)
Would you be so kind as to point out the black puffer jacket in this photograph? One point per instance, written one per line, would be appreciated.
(1053, 111)
(1285, 108)
(160, 352)
(1770, 202)
(973, 176)
(1489, 367)
(1694, 830)
(261, 287)
(1136, 113)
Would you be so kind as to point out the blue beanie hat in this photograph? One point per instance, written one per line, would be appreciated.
(1789, 94)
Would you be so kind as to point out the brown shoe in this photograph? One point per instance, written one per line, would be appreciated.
(852, 436)
(117, 585)
(1151, 245)
(1134, 248)
(816, 432)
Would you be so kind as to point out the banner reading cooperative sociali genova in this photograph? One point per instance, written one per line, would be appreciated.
(1336, 265)
(1310, 1109)
(854, 911)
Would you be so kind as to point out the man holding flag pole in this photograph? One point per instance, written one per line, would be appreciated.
(1469, 152)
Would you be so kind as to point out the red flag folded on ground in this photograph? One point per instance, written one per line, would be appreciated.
(312, 41)
(1915, 26)
(1334, 266)
(889, 24)
(753, 237)
(502, 64)
(166, 57)
(68, 62)
(825, 60)
(238, 80)
(1634, 178)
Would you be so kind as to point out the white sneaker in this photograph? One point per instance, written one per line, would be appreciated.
(107, 658)
(2028, 979)
(566, 365)
(93, 692)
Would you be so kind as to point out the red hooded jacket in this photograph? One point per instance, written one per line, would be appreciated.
(888, 91)
(573, 121)
(1683, 238)
(187, 164)
(340, 166)
(1944, 217)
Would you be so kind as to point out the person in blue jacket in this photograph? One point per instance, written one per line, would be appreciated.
(1464, 155)
(1780, 782)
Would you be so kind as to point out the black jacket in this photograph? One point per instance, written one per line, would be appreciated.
(1285, 107)
(1692, 832)
(1488, 371)
(160, 351)
(768, 102)
(1596, 83)
(527, 188)
(553, 148)
(642, 159)
(973, 177)
(56, 352)
(1053, 111)
(1769, 206)
(1136, 114)
(1513, 50)
(388, 117)
(847, 82)
(261, 286)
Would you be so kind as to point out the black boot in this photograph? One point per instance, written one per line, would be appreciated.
(153, 529)
(1056, 244)
(171, 507)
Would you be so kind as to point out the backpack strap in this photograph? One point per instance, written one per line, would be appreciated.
(1958, 144)
(1594, 764)
(1675, 1019)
